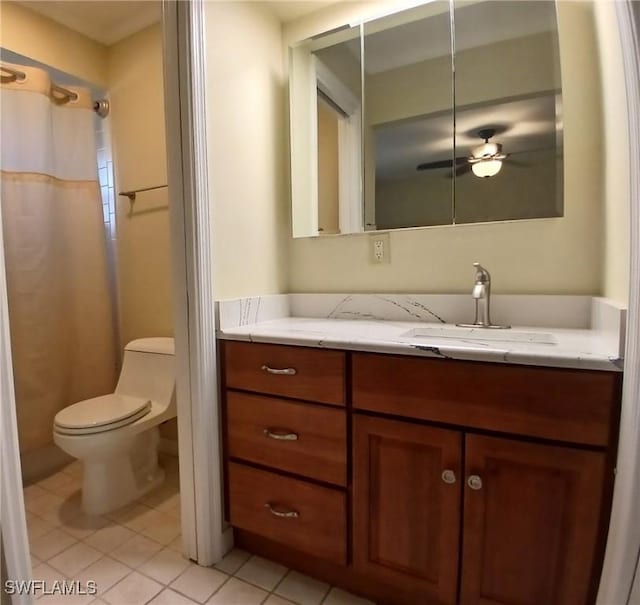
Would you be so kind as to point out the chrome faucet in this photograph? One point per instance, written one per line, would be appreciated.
(481, 294)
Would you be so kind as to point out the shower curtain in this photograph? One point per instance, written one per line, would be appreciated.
(61, 318)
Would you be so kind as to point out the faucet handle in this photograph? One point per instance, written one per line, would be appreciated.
(482, 275)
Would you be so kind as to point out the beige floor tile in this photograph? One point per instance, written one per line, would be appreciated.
(66, 599)
(74, 559)
(261, 572)
(66, 510)
(32, 492)
(83, 526)
(75, 468)
(51, 544)
(174, 511)
(35, 561)
(73, 486)
(135, 589)
(302, 589)
(237, 592)
(340, 597)
(105, 573)
(170, 504)
(134, 516)
(47, 574)
(276, 600)
(176, 545)
(136, 551)
(171, 597)
(54, 481)
(163, 528)
(109, 538)
(43, 504)
(160, 496)
(37, 527)
(199, 583)
(233, 561)
(164, 566)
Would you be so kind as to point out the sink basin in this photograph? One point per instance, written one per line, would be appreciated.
(482, 334)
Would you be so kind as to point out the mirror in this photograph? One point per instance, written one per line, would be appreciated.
(408, 84)
(326, 142)
(508, 94)
(454, 112)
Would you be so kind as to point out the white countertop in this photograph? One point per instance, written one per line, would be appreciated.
(574, 348)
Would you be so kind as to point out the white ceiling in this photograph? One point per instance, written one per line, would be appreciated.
(105, 21)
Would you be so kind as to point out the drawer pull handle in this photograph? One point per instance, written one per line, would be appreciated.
(448, 476)
(474, 482)
(285, 514)
(280, 435)
(282, 372)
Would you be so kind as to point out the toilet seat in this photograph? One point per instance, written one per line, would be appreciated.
(100, 414)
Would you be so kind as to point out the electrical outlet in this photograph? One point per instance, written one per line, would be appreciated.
(380, 248)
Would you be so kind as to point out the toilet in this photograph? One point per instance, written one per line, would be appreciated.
(116, 436)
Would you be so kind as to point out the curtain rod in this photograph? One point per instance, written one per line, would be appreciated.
(101, 107)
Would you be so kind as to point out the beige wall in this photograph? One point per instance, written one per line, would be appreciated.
(28, 33)
(563, 255)
(615, 142)
(247, 153)
(137, 127)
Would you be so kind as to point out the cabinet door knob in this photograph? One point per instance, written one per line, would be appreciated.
(287, 514)
(474, 482)
(448, 476)
(282, 372)
(281, 435)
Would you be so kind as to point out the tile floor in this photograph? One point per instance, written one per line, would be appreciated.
(134, 554)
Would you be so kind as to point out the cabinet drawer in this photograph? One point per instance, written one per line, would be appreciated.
(287, 371)
(300, 438)
(302, 515)
(578, 406)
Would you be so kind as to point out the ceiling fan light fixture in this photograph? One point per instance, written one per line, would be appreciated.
(486, 168)
(487, 150)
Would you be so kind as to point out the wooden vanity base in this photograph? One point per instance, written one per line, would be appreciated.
(420, 481)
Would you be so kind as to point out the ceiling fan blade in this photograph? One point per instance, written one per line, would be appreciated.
(516, 163)
(440, 164)
(460, 170)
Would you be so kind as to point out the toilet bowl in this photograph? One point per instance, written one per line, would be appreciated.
(116, 436)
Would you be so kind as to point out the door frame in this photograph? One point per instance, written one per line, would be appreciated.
(620, 569)
(206, 538)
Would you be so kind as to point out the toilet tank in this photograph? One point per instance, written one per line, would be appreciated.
(148, 370)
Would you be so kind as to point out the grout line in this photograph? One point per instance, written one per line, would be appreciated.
(326, 594)
(282, 579)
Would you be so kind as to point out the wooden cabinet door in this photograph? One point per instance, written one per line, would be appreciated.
(531, 523)
(406, 523)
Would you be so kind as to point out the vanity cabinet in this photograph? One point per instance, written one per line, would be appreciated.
(530, 526)
(418, 480)
(406, 505)
(530, 523)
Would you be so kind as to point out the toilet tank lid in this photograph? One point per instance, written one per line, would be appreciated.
(161, 345)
